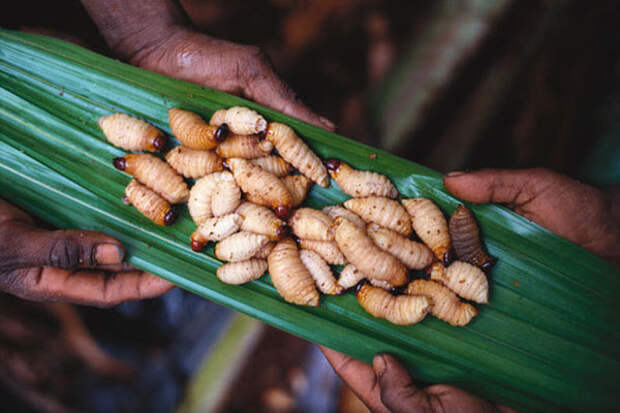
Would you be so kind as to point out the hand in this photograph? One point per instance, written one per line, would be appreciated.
(387, 387)
(226, 66)
(157, 36)
(587, 216)
(81, 267)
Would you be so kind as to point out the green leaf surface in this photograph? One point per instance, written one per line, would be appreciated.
(548, 340)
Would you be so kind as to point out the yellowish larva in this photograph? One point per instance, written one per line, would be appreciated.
(274, 164)
(199, 203)
(360, 183)
(244, 146)
(290, 276)
(413, 254)
(383, 211)
(132, 134)
(350, 276)
(240, 246)
(226, 196)
(261, 186)
(265, 251)
(242, 120)
(311, 224)
(298, 186)
(241, 272)
(328, 250)
(446, 305)
(466, 280)
(295, 151)
(156, 174)
(397, 309)
(320, 271)
(218, 117)
(338, 211)
(362, 252)
(261, 220)
(193, 163)
(149, 203)
(215, 229)
(430, 225)
(192, 131)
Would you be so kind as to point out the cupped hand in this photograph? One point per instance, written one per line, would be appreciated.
(587, 216)
(386, 386)
(222, 65)
(80, 267)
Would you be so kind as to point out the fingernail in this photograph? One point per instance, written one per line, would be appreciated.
(379, 365)
(327, 122)
(454, 174)
(109, 254)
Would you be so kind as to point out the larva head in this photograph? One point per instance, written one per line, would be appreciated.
(160, 142)
(221, 133)
(448, 257)
(282, 211)
(489, 264)
(120, 163)
(282, 231)
(125, 200)
(359, 285)
(332, 164)
(197, 245)
(170, 217)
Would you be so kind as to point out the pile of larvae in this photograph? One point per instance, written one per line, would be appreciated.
(247, 199)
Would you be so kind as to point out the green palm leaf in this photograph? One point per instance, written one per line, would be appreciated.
(548, 340)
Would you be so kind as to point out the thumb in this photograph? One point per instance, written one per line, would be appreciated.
(398, 392)
(27, 246)
(514, 187)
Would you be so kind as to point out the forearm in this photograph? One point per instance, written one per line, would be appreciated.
(133, 27)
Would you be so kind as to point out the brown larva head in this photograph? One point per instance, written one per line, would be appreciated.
(282, 211)
(225, 164)
(197, 245)
(221, 133)
(282, 231)
(448, 257)
(125, 200)
(160, 143)
(120, 163)
(398, 290)
(488, 265)
(170, 217)
(359, 285)
(332, 164)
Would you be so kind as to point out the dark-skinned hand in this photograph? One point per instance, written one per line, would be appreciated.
(81, 267)
(587, 216)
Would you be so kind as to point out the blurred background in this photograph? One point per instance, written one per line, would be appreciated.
(448, 84)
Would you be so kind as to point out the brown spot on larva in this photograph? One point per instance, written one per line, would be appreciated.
(197, 245)
(221, 133)
(461, 281)
(160, 143)
(332, 164)
(170, 217)
(120, 163)
(515, 283)
(282, 211)
(373, 156)
(248, 174)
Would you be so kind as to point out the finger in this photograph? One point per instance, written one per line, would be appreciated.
(95, 288)
(359, 376)
(68, 249)
(514, 187)
(398, 392)
(265, 87)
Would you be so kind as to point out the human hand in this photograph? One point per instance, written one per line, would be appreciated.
(587, 216)
(81, 267)
(157, 36)
(386, 386)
